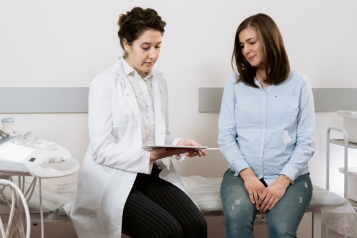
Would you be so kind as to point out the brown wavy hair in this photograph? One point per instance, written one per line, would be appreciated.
(277, 67)
(135, 22)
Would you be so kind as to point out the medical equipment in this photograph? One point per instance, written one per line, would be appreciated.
(23, 153)
(350, 124)
(7, 124)
(13, 220)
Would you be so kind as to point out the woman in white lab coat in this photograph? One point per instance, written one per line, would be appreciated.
(123, 188)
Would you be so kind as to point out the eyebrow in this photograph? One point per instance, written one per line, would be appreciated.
(148, 43)
(248, 40)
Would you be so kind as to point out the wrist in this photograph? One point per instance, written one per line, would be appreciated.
(285, 179)
(247, 173)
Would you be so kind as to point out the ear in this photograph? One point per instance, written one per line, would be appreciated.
(125, 44)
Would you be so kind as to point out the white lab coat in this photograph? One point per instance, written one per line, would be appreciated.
(114, 157)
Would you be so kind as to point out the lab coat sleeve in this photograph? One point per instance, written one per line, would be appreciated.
(305, 146)
(104, 149)
(227, 126)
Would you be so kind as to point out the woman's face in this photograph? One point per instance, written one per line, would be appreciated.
(144, 51)
(251, 47)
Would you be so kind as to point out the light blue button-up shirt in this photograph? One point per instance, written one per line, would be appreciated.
(270, 131)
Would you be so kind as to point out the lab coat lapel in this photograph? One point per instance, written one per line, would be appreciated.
(159, 118)
(128, 92)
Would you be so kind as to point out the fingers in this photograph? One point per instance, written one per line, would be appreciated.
(256, 199)
(270, 203)
(274, 203)
(262, 196)
(265, 202)
(251, 197)
(170, 152)
(202, 152)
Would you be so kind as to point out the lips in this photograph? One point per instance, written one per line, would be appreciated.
(251, 58)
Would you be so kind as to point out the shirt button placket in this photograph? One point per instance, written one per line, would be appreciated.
(264, 127)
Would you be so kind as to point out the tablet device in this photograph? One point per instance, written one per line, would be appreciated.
(150, 147)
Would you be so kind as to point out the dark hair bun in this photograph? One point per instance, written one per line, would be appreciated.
(135, 22)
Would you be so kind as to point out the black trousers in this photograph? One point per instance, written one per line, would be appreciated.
(156, 208)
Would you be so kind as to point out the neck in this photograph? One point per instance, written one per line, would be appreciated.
(141, 73)
(261, 72)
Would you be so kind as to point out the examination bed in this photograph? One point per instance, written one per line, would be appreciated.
(327, 207)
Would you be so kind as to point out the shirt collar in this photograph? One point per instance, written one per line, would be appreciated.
(128, 70)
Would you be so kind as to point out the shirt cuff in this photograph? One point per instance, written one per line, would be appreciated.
(290, 171)
(236, 165)
(175, 141)
(151, 163)
(178, 157)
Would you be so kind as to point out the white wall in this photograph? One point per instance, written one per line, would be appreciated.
(66, 43)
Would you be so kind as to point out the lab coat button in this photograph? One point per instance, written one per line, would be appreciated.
(137, 115)
(127, 94)
(162, 132)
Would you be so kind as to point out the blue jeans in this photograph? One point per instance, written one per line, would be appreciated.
(283, 219)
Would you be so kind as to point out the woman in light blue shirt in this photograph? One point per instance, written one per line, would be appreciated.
(266, 133)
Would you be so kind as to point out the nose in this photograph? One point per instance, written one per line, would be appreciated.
(246, 49)
(152, 53)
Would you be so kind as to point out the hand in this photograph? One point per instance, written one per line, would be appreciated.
(190, 142)
(253, 185)
(273, 193)
(156, 154)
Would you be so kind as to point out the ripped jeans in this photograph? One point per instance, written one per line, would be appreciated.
(283, 220)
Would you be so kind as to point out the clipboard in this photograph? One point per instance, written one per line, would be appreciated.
(150, 147)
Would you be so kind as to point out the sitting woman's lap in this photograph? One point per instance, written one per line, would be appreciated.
(283, 219)
(157, 208)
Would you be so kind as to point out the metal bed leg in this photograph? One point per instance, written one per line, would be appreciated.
(316, 224)
(41, 210)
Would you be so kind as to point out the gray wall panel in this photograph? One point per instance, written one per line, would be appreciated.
(326, 99)
(43, 100)
(75, 99)
(335, 99)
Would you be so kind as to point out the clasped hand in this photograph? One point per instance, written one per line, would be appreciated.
(264, 198)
